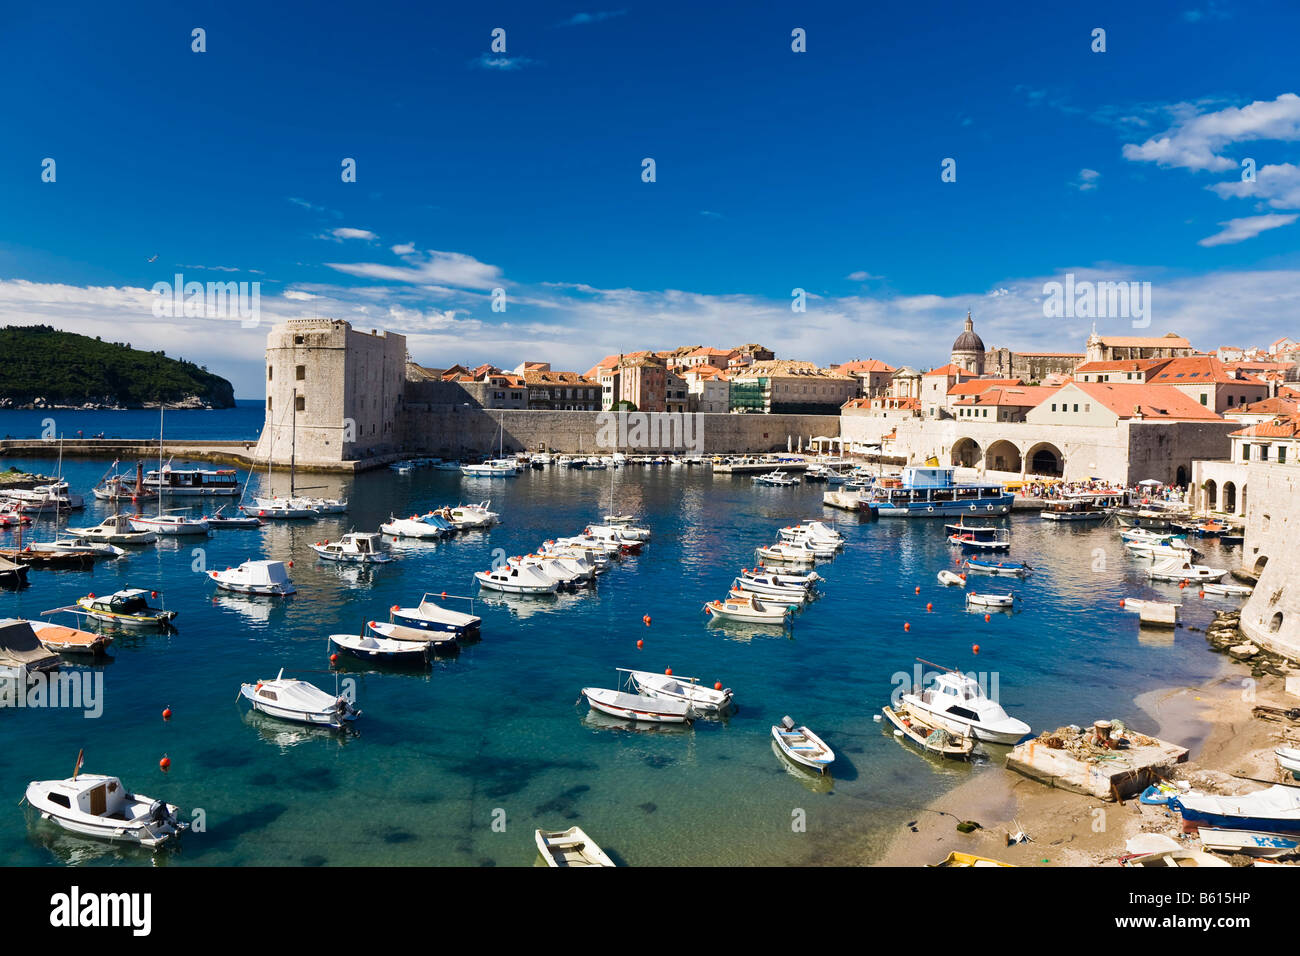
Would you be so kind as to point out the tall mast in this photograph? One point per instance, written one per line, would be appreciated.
(293, 440)
(161, 406)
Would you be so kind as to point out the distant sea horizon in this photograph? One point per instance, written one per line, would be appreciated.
(241, 423)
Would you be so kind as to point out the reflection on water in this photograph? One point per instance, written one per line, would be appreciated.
(498, 726)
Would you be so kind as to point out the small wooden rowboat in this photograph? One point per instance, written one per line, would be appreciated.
(69, 640)
(571, 847)
(802, 746)
(928, 737)
(991, 600)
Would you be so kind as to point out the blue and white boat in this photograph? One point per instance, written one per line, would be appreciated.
(926, 492)
(1011, 568)
(1273, 810)
(431, 616)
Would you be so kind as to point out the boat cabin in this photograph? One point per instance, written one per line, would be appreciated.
(194, 480)
(93, 794)
(947, 690)
(128, 601)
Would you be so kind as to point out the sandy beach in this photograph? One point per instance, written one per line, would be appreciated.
(1214, 721)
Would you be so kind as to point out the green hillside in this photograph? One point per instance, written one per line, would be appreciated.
(63, 368)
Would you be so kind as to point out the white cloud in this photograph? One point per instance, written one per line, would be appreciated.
(298, 296)
(1279, 186)
(440, 268)
(861, 276)
(346, 232)
(1196, 140)
(1248, 227)
(504, 63)
(1087, 180)
(405, 249)
(580, 19)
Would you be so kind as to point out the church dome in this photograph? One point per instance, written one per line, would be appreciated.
(968, 341)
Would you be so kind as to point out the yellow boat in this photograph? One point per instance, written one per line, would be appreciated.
(969, 859)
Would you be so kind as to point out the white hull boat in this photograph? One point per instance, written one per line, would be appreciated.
(299, 701)
(748, 609)
(571, 847)
(787, 554)
(99, 549)
(704, 700)
(497, 468)
(96, 805)
(526, 580)
(991, 600)
(1255, 843)
(956, 703)
(1177, 570)
(637, 707)
(949, 579)
(354, 548)
(784, 577)
(802, 746)
(371, 648)
(766, 588)
(267, 578)
(401, 634)
(283, 508)
(1233, 590)
(169, 525)
(412, 527)
(115, 529)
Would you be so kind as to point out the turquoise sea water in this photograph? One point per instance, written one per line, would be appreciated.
(497, 733)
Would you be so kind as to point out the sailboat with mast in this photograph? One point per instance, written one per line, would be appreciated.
(166, 523)
(499, 467)
(280, 506)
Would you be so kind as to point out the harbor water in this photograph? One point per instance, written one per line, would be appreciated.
(459, 763)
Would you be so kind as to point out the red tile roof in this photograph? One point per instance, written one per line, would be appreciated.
(1024, 396)
(1277, 428)
(1128, 400)
(1198, 371)
(973, 386)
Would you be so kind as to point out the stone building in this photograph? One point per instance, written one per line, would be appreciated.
(343, 389)
(968, 350)
(1116, 348)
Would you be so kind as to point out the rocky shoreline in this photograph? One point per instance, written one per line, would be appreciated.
(190, 402)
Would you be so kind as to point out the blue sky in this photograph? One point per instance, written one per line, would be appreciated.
(774, 170)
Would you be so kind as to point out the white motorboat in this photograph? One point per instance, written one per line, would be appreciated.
(325, 506)
(169, 525)
(704, 700)
(282, 508)
(784, 577)
(97, 805)
(991, 600)
(748, 609)
(494, 468)
(512, 580)
(1183, 570)
(958, 704)
(413, 527)
(115, 529)
(430, 616)
(355, 547)
(51, 498)
(371, 648)
(297, 700)
(128, 607)
(766, 587)
(269, 578)
(571, 847)
(100, 549)
(471, 516)
(561, 570)
(778, 478)
(1233, 590)
(787, 554)
(1160, 552)
(614, 534)
(949, 579)
(638, 707)
(802, 746)
(402, 634)
(812, 532)
(218, 521)
(596, 561)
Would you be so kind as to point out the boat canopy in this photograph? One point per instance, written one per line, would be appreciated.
(20, 647)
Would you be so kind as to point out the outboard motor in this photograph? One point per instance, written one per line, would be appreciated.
(787, 723)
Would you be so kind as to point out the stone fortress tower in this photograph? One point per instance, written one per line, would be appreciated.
(347, 387)
(968, 350)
